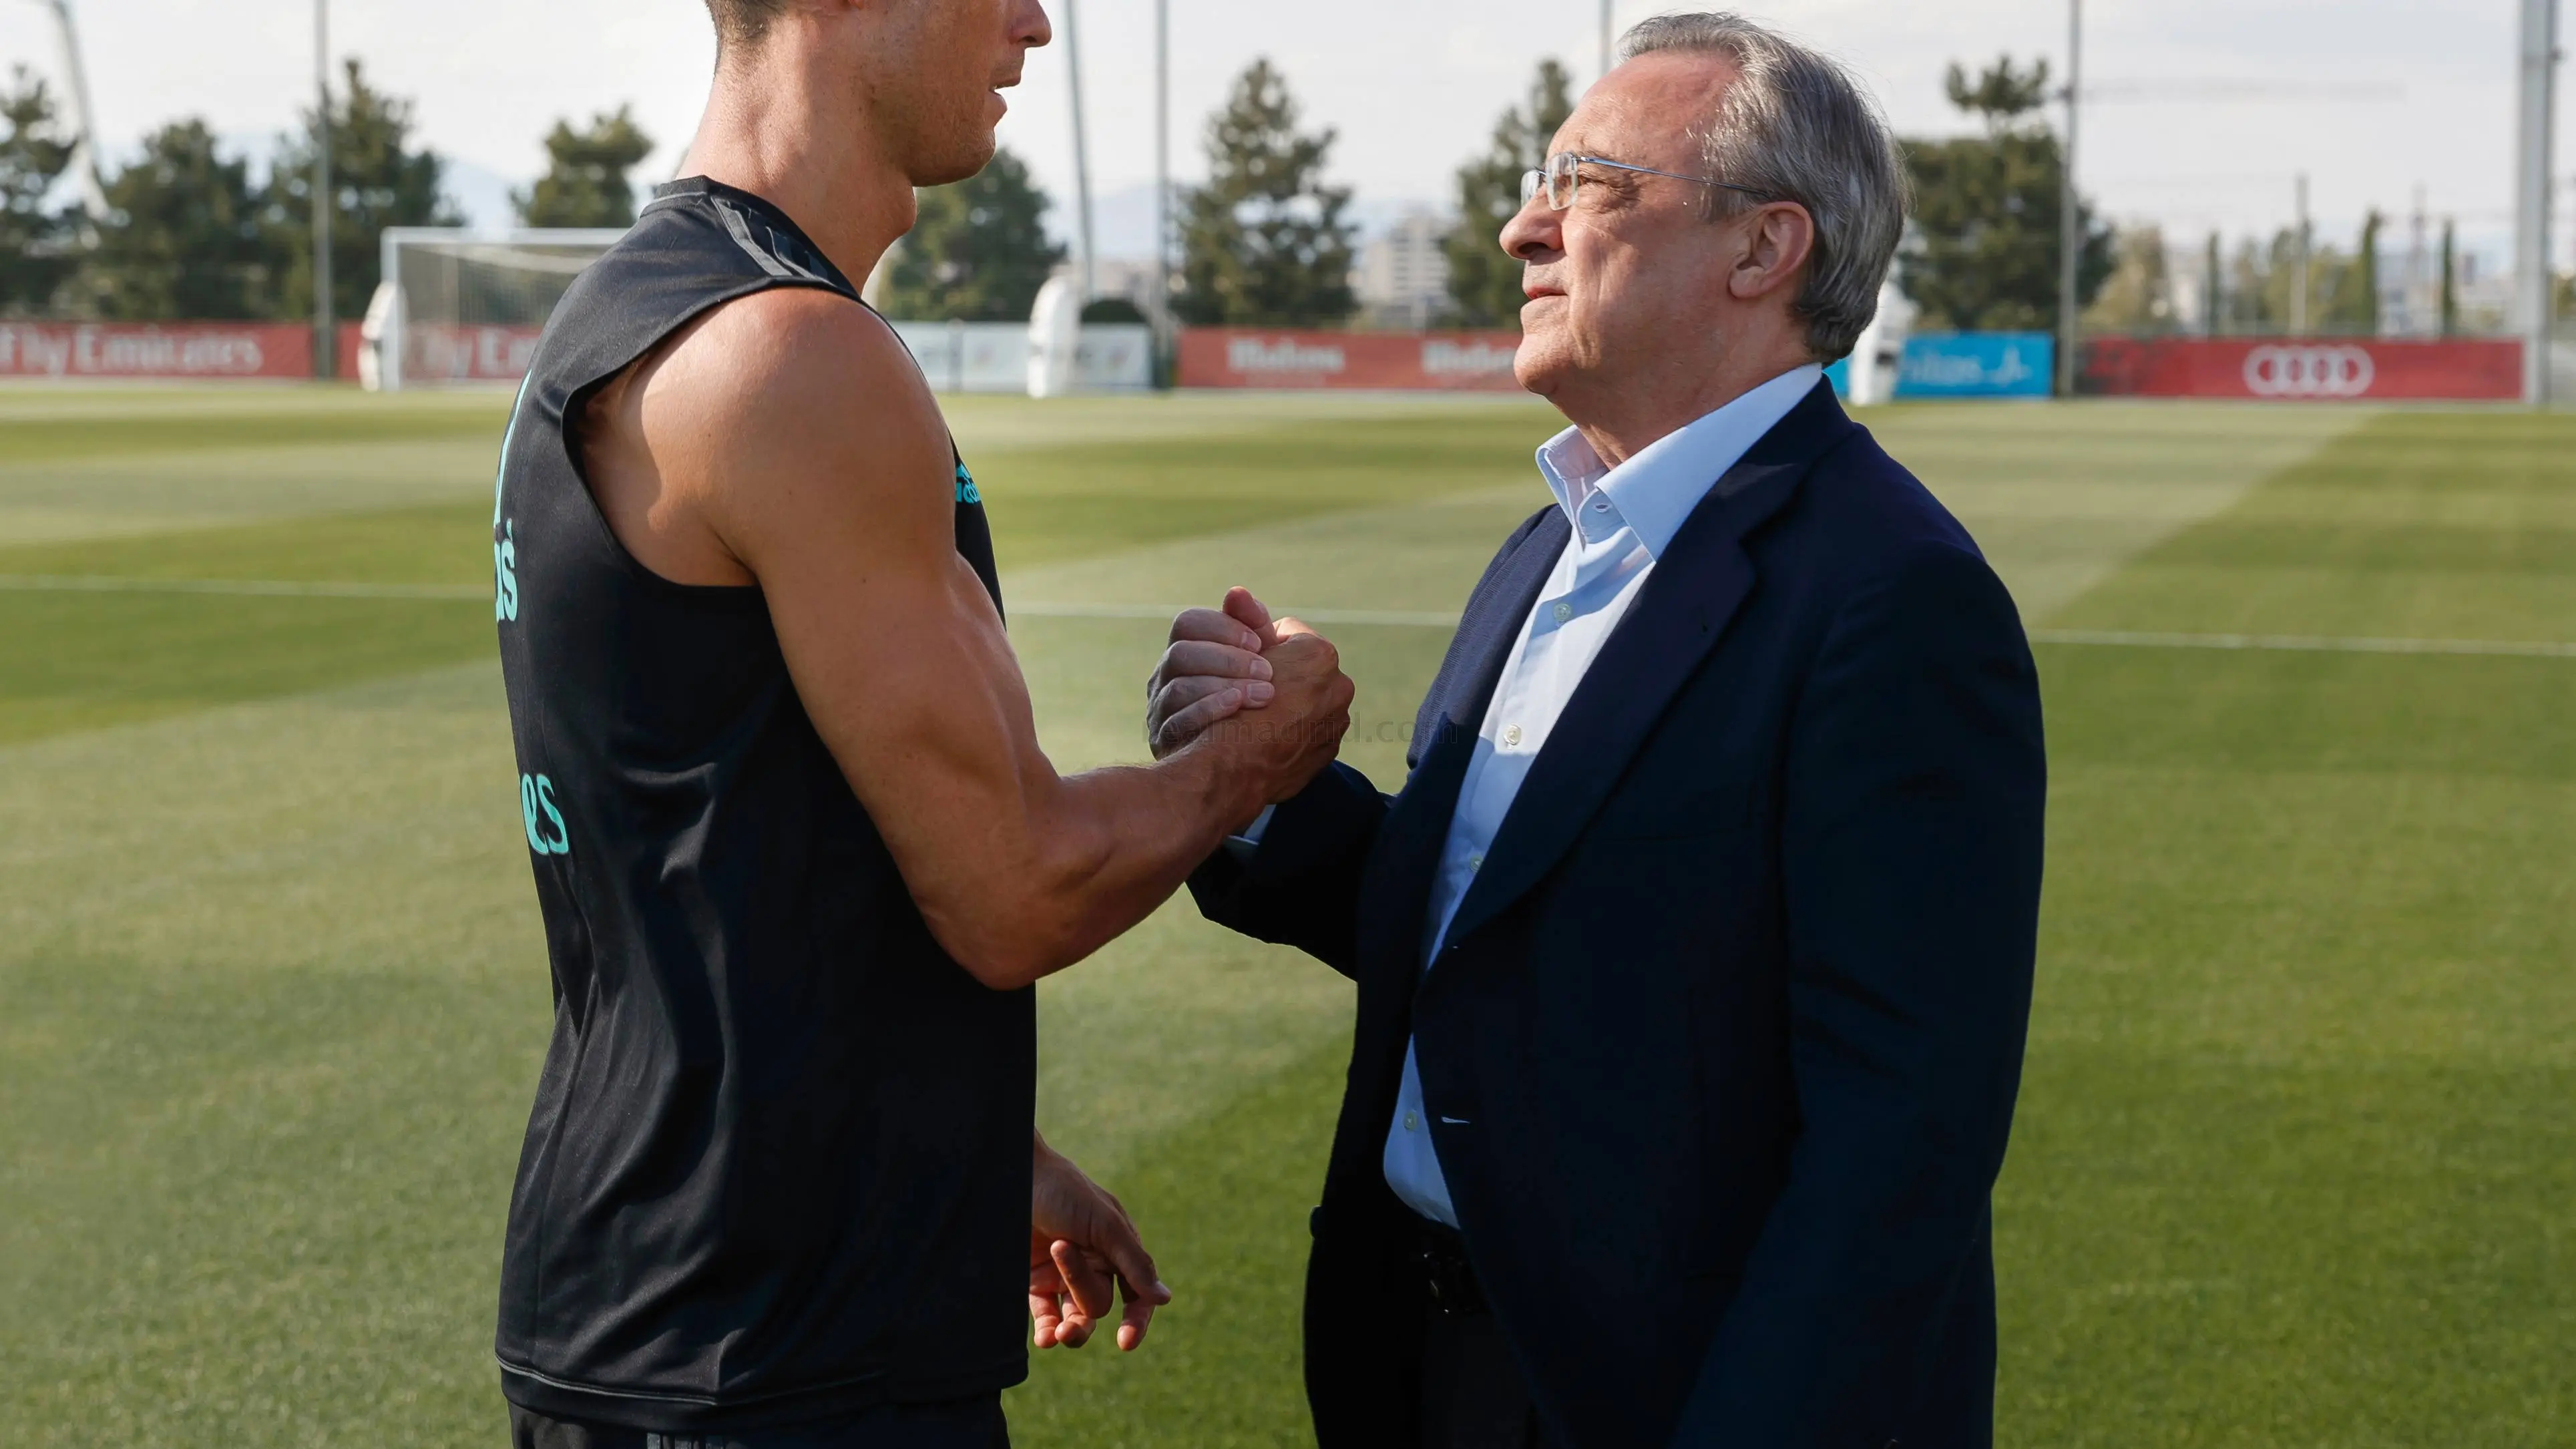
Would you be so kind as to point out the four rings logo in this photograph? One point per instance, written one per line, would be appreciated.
(2309, 371)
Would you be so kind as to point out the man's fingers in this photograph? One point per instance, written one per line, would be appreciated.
(1241, 606)
(1217, 626)
(1187, 724)
(1137, 1318)
(1199, 658)
(1045, 1318)
(1141, 1283)
(1191, 689)
(1089, 1285)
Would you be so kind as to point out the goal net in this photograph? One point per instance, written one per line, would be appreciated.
(459, 308)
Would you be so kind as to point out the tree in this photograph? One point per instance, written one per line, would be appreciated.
(1264, 243)
(2450, 277)
(182, 238)
(585, 182)
(2352, 293)
(2137, 297)
(1983, 253)
(378, 181)
(978, 251)
(35, 237)
(1483, 282)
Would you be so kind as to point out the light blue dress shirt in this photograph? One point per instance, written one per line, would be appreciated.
(1624, 519)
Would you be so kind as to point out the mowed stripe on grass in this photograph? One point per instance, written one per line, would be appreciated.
(284, 993)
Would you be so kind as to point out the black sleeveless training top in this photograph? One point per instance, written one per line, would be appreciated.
(778, 1167)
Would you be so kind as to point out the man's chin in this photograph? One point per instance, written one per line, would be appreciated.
(966, 161)
(1540, 364)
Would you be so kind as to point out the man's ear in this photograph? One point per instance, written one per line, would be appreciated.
(1778, 241)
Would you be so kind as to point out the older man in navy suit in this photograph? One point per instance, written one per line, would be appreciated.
(1695, 955)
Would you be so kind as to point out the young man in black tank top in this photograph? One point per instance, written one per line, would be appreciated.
(800, 858)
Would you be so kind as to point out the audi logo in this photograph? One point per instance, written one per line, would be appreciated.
(2309, 371)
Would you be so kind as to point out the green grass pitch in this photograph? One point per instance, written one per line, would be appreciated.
(2295, 1158)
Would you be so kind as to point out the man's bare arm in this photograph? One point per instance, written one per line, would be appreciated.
(790, 437)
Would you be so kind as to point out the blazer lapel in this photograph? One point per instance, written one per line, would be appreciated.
(1678, 617)
(1408, 844)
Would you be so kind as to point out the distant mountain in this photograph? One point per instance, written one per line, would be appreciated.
(1122, 219)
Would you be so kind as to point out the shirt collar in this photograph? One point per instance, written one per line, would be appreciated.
(1655, 490)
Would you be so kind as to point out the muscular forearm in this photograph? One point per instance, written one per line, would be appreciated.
(1097, 853)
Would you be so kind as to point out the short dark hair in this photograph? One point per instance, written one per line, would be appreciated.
(743, 22)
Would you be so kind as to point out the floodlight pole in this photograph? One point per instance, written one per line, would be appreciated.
(84, 159)
(1608, 24)
(1163, 170)
(2070, 242)
(324, 364)
(2302, 278)
(2533, 299)
(1081, 154)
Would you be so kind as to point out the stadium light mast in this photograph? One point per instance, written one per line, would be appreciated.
(2533, 299)
(324, 364)
(1608, 25)
(1163, 170)
(2070, 241)
(84, 160)
(1086, 271)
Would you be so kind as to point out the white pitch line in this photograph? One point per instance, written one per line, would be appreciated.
(2293, 643)
(248, 588)
(2307, 644)
(1402, 618)
(1399, 618)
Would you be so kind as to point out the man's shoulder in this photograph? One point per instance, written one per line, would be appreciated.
(796, 356)
(775, 413)
(1869, 511)
(793, 381)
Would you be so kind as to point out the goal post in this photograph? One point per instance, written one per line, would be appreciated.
(465, 308)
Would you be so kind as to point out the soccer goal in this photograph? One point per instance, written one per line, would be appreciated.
(459, 308)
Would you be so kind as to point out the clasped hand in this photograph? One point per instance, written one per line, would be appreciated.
(1224, 662)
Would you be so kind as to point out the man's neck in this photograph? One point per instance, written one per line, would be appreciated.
(1621, 421)
(770, 131)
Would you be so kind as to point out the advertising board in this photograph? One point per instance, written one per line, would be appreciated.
(436, 353)
(994, 356)
(1435, 361)
(176, 351)
(1976, 365)
(2305, 369)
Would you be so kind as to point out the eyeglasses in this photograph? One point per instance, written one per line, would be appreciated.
(1562, 179)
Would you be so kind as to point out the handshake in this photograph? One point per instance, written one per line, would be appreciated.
(1268, 694)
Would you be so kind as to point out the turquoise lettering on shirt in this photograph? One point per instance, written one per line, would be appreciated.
(505, 574)
(537, 793)
(501, 475)
(966, 490)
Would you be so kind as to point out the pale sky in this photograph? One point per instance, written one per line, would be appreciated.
(1414, 85)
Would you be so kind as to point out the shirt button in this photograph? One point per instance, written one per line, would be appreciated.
(1412, 1122)
(1512, 735)
(1475, 862)
(1563, 612)
(1600, 505)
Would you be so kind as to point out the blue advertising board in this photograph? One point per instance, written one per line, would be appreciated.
(1977, 364)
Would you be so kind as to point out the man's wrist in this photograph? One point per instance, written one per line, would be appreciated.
(1233, 796)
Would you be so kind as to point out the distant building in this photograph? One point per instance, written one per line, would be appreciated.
(1402, 277)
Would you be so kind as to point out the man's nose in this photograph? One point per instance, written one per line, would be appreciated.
(1535, 233)
(1033, 29)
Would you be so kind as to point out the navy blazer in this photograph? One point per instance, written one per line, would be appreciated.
(1722, 1048)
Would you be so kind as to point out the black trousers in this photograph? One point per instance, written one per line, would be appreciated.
(954, 1424)
(1473, 1395)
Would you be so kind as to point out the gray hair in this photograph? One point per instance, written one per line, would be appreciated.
(1798, 127)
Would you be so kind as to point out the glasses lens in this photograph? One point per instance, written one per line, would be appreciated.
(1560, 180)
(1531, 181)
